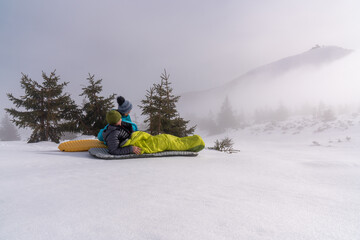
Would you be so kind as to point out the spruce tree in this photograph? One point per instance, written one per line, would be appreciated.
(8, 132)
(46, 109)
(95, 107)
(150, 110)
(159, 107)
(172, 122)
(179, 127)
(168, 108)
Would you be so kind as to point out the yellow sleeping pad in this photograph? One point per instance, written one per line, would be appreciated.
(81, 145)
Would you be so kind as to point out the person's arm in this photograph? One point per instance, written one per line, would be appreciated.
(113, 143)
(122, 150)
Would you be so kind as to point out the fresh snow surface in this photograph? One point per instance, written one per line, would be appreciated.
(280, 186)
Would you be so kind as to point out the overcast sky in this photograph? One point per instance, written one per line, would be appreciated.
(202, 44)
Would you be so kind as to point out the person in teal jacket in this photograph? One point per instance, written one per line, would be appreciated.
(124, 109)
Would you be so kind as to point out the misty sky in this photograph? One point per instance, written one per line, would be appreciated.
(202, 44)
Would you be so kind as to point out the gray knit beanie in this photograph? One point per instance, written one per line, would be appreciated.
(124, 105)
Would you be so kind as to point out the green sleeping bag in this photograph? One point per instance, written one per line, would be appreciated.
(164, 142)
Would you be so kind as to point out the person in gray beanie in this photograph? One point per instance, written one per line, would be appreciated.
(124, 109)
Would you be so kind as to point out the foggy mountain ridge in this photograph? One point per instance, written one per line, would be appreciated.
(259, 84)
(314, 57)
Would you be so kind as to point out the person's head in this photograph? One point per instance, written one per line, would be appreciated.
(124, 106)
(113, 117)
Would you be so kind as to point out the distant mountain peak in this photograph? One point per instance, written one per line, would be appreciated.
(287, 79)
(315, 57)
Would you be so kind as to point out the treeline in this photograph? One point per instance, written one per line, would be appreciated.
(229, 118)
(226, 118)
(51, 113)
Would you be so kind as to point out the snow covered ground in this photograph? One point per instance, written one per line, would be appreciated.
(282, 185)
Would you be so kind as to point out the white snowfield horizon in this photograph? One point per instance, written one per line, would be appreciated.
(286, 183)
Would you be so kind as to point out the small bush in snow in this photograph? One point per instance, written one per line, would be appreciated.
(225, 145)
